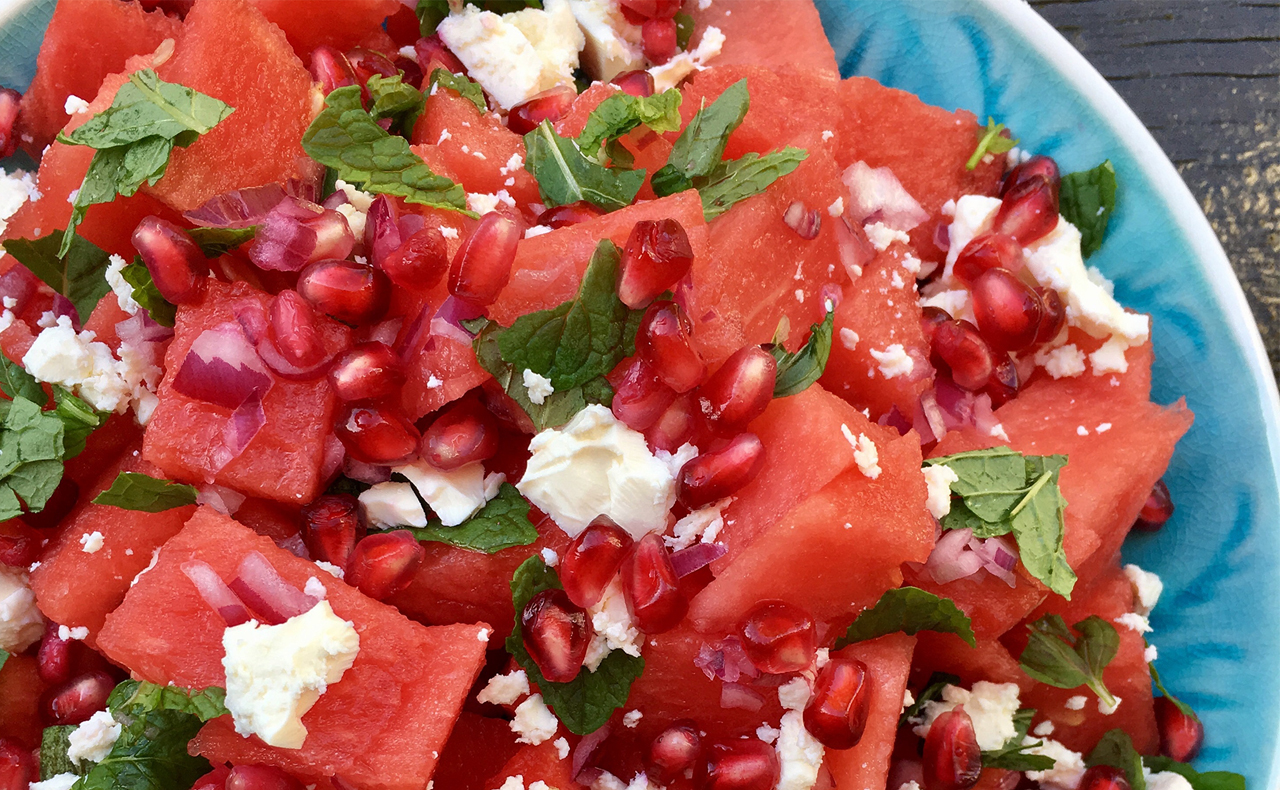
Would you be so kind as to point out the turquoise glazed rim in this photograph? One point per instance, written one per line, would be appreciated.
(1218, 625)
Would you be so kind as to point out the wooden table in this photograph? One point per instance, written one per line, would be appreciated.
(1204, 75)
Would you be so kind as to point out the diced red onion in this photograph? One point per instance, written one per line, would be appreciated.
(442, 328)
(830, 296)
(853, 247)
(222, 368)
(381, 229)
(699, 555)
(252, 319)
(282, 367)
(951, 558)
(984, 419)
(876, 195)
(220, 498)
(63, 306)
(20, 285)
(262, 588)
(587, 747)
(215, 592)
(338, 198)
(410, 223)
(139, 328)
(725, 660)
(297, 232)
(414, 335)
(804, 222)
(942, 236)
(385, 332)
(242, 208)
(895, 419)
(241, 427)
(957, 404)
(997, 557)
(331, 462)
(738, 696)
(295, 546)
(929, 421)
(365, 473)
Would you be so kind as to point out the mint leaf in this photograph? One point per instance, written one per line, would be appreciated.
(147, 295)
(565, 175)
(79, 419)
(622, 112)
(69, 264)
(700, 147)
(391, 98)
(684, 30)
(136, 491)
(1054, 655)
(1038, 522)
(53, 753)
(215, 242)
(1116, 750)
(991, 141)
(432, 12)
(1179, 704)
(739, 179)
(909, 610)
(1086, 199)
(460, 85)
(797, 371)
(932, 691)
(16, 382)
(579, 340)
(4, 657)
(348, 139)
(585, 703)
(133, 696)
(1200, 780)
(501, 524)
(31, 453)
(1012, 756)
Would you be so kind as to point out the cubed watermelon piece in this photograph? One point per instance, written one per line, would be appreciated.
(483, 152)
(338, 23)
(85, 41)
(282, 462)
(541, 763)
(382, 726)
(784, 36)
(275, 520)
(990, 660)
(992, 605)
(102, 449)
(443, 371)
(75, 588)
(477, 748)
(20, 690)
(227, 49)
(888, 661)
(839, 550)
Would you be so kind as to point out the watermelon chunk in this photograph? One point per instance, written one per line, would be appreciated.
(541, 763)
(85, 41)
(20, 690)
(990, 660)
(783, 36)
(382, 726)
(338, 23)
(443, 371)
(229, 51)
(478, 748)
(888, 661)
(476, 145)
(283, 460)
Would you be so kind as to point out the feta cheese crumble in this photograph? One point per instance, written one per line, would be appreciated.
(991, 706)
(77, 361)
(356, 209)
(56, 782)
(701, 525)
(613, 627)
(78, 633)
(894, 361)
(631, 719)
(881, 236)
(92, 739)
(539, 387)
(611, 44)
(455, 495)
(1075, 703)
(682, 64)
(16, 188)
(938, 480)
(123, 290)
(1068, 766)
(1061, 362)
(848, 338)
(1146, 588)
(392, 504)
(865, 454)
(505, 689)
(91, 542)
(534, 722)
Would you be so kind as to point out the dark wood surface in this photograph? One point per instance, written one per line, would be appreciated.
(1204, 76)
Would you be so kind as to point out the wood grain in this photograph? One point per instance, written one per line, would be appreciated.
(1204, 76)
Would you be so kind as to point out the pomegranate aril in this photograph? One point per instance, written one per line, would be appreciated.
(639, 396)
(419, 262)
(291, 328)
(432, 48)
(366, 63)
(674, 751)
(384, 563)
(1103, 777)
(592, 560)
(930, 319)
(746, 764)
(652, 587)
(635, 83)
(658, 40)
(951, 759)
(1037, 166)
(177, 266)
(351, 292)
(77, 699)
(331, 69)
(376, 434)
(465, 433)
(1055, 315)
(18, 767)
(665, 342)
(988, 251)
(19, 545)
(675, 426)
(546, 106)
(1156, 510)
(1008, 311)
(652, 9)
(331, 527)
(961, 347)
(569, 214)
(556, 632)
(214, 780)
(837, 711)
(778, 637)
(369, 370)
(1028, 211)
(410, 71)
(739, 391)
(53, 659)
(716, 474)
(1003, 385)
(656, 256)
(1181, 734)
(260, 777)
(482, 265)
(10, 102)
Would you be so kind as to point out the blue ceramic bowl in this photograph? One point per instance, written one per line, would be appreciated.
(1218, 623)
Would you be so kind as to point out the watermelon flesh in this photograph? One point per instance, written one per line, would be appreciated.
(382, 726)
(541, 763)
(337, 23)
(478, 748)
(20, 690)
(888, 661)
(784, 36)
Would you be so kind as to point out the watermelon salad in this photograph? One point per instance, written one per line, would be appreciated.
(519, 395)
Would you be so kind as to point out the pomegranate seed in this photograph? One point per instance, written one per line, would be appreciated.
(1003, 385)
(214, 780)
(675, 426)
(1181, 735)
(331, 69)
(652, 587)
(419, 262)
(465, 433)
(592, 560)
(632, 16)
(952, 758)
(18, 767)
(837, 712)
(556, 632)
(1028, 211)
(177, 266)
(1009, 312)
(546, 106)
(988, 251)
(19, 545)
(59, 505)
(639, 396)
(260, 777)
(331, 527)
(717, 474)
(350, 292)
(930, 318)
(961, 347)
(410, 71)
(570, 214)
(635, 83)
(674, 751)
(291, 329)
(665, 342)
(658, 40)
(778, 637)
(376, 435)
(366, 63)
(77, 699)
(746, 764)
(482, 265)
(10, 101)
(432, 48)
(1054, 318)
(656, 256)
(1156, 510)
(1103, 777)
(384, 563)
(1037, 166)
(368, 370)
(53, 660)
(739, 391)
(652, 9)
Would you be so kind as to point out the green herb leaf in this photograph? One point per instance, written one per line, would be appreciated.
(932, 691)
(461, 85)
(990, 141)
(622, 112)
(585, 703)
(133, 696)
(1179, 704)
(54, 744)
(136, 491)
(16, 382)
(740, 179)
(1038, 522)
(348, 139)
(392, 98)
(432, 12)
(1012, 755)
(1086, 199)
(31, 453)
(69, 264)
(501, 524)
(698, 151)
(1200, 780)
(797, 371)
(1054, 655)
(909, 610)
(79, 419)
(215, 242)
(147, 295)
(1116, 750)
(4, 657)
(684, 30)
(565, 175)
